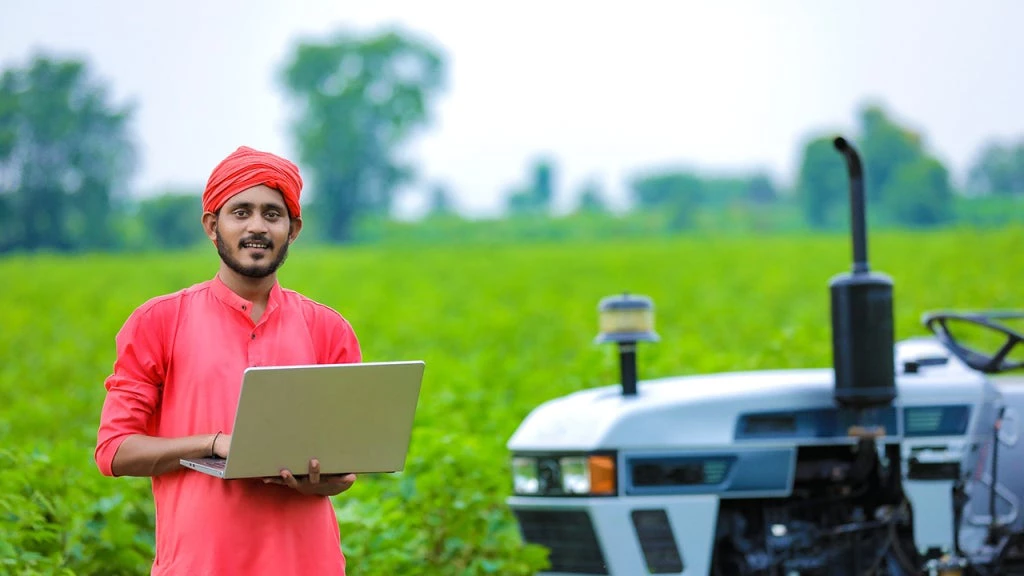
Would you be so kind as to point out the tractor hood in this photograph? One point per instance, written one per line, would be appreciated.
(703, 410)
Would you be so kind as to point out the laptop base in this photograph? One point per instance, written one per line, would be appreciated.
(211, 466)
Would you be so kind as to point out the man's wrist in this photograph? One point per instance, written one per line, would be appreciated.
(213, 445)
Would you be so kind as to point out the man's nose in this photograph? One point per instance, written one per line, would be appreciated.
(257, 224)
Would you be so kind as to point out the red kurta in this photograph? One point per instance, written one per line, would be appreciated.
(178, 372)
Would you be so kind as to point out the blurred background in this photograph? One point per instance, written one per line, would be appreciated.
(461, 122)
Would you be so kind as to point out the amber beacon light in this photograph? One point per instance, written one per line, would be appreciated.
(625, 320)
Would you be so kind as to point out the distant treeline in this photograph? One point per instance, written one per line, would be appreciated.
(781, 217)
(67, 156)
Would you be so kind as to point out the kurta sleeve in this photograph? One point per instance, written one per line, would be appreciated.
(134, 387)
(333, 337)
(342, 344)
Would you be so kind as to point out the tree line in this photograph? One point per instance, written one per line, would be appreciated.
(906, 186)
(68, 154)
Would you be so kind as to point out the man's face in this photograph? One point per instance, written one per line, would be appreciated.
(253, 232)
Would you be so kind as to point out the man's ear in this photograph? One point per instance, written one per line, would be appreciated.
(210, 225)
(294, 227)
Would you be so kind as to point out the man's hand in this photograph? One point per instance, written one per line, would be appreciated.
(222, 445)
(315, 484)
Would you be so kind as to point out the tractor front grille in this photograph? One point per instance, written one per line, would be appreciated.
(569, 534)
(657, 542)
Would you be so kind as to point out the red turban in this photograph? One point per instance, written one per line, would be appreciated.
(246, 168)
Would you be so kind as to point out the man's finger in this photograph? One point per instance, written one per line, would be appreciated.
(314, 471)
(289, 479)
(341, 478)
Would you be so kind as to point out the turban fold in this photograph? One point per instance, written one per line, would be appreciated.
(246, 168)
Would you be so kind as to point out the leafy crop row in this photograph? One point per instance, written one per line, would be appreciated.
(501, 330)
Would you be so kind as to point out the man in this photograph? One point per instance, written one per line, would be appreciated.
(177, 377)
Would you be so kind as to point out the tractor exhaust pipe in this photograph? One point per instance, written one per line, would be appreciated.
(862, 313)
(858, 220)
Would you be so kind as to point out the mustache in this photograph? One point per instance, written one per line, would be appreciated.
(258, 238)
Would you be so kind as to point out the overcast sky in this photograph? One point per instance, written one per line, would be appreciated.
(606, 88)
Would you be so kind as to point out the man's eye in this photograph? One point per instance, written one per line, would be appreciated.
(240, 213)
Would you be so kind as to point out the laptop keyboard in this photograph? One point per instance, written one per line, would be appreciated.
(217, 463)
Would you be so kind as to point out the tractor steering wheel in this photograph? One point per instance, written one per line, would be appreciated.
(987, 363)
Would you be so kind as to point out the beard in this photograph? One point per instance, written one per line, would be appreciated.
(253, 270)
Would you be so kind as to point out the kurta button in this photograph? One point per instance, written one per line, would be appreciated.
(253, 335)
(243, 306)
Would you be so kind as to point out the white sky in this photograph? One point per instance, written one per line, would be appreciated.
(606, 88)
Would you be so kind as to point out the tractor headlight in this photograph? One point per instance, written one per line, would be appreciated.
(575, 477)
(554, 475)
(525, 475)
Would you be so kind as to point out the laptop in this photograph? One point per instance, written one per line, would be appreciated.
(353, 418)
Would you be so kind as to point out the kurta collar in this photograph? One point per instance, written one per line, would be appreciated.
(233, 300)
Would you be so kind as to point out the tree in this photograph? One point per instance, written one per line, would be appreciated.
(910, 186)
(172, 219)
(536, 198)
(998, 170)
(65, 155)
(678, 194)
(359, 99)
(592, 198)
(761, 189)
(919, 194)
(822, 184)
(440, 202)
(544, 181)
(885, 148)
(899, 176)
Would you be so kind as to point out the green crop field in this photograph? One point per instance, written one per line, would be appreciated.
(501, 329)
